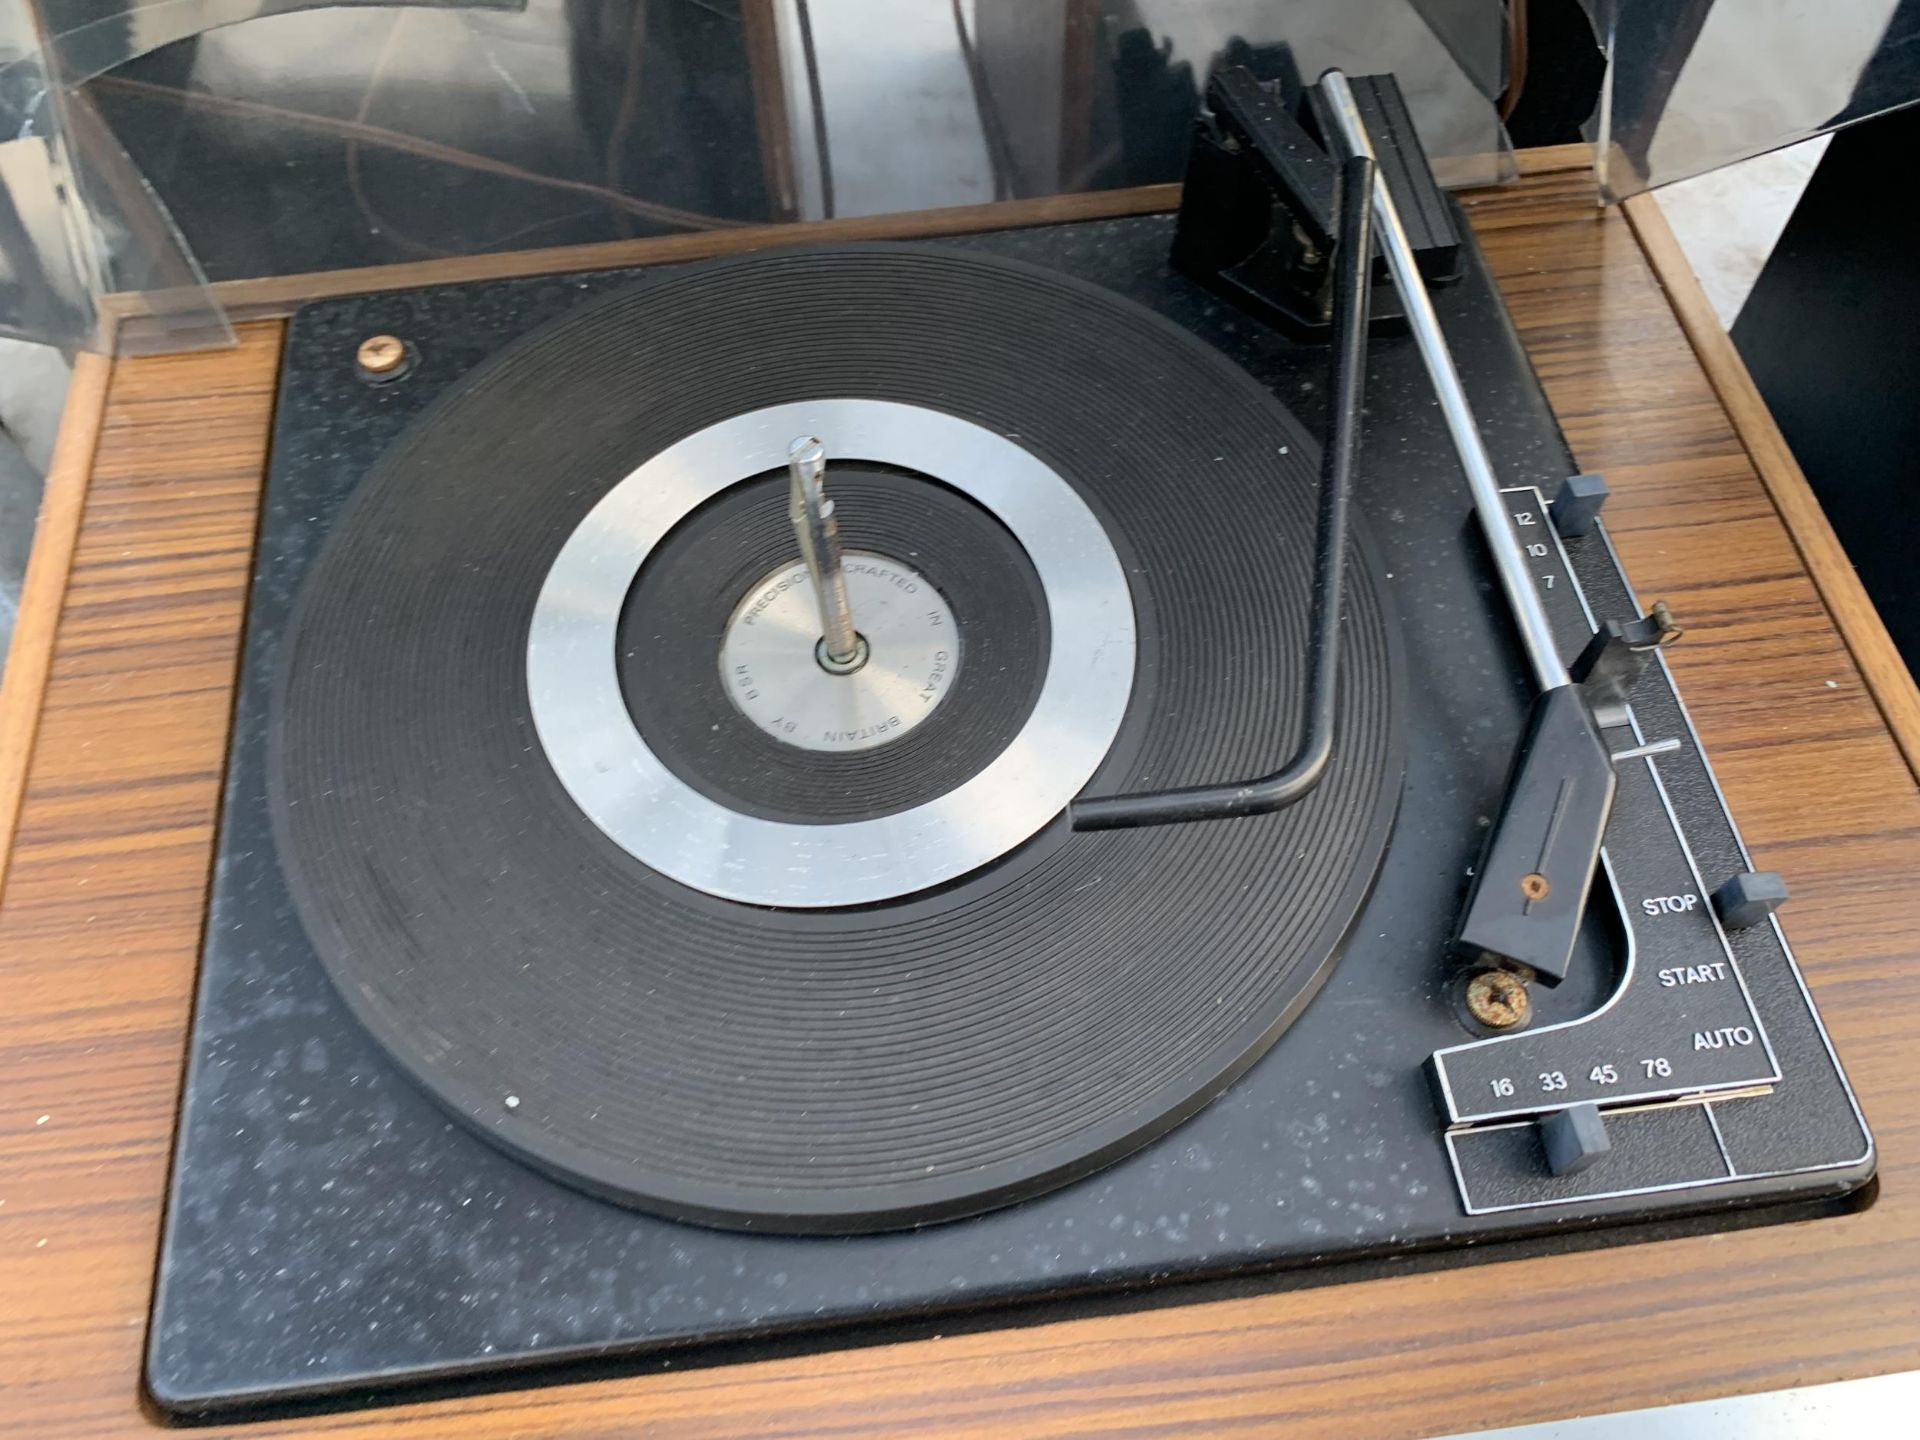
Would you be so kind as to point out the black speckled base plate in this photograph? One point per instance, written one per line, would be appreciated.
(331, 1232)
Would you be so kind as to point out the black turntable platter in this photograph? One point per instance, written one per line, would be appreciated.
(899, 1054)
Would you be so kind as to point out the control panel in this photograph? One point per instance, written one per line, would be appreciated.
(1621, 1100)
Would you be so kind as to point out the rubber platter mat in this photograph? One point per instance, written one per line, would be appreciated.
(835, 1070)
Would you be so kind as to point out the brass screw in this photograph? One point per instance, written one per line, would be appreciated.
(1535, 886)
(381, 354)
(1498, 999)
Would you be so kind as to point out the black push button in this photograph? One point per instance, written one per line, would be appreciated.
(1574, 1138)
(1577, 506)
(1749, 898)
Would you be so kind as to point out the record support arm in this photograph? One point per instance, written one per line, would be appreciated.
(1530, 889)
(1352, 293)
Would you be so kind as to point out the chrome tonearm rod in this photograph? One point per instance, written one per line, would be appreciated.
(1509, 560)
(1530, 888)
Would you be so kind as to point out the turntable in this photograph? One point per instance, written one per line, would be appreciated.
(787, 799)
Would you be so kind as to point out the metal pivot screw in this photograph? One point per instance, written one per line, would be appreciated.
(1535, 886)
(383, 357)
(1498, 999)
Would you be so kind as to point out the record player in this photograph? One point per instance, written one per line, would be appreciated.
(782, 799)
